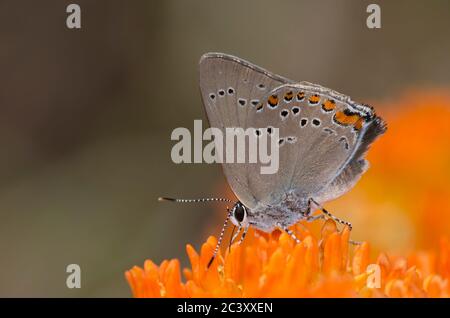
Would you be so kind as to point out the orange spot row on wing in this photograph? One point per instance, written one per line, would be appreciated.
(358, 125)
(273, 100)
(314, 99)
(346, 119)
(288, 96)
(329, 105)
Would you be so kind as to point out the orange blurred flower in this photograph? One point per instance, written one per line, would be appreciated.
(402, 203)
(401, 206)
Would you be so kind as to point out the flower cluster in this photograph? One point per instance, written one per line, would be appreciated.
(274, 266)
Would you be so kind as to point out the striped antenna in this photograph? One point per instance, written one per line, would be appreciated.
(202, 200)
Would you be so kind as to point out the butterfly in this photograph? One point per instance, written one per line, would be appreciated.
(323, 139)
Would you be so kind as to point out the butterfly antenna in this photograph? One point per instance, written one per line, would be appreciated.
(216, 250)
(202, 200)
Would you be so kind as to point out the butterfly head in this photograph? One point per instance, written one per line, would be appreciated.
(238, 215)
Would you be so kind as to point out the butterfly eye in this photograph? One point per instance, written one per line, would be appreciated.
(239, 213)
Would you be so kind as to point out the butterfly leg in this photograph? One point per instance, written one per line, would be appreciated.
(236, 235)
(312, 218)
(231, 240)
(329, 215)
(219, 242)
(243, 235)
(291, 234)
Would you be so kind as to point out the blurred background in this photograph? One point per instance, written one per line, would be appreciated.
(86, 117)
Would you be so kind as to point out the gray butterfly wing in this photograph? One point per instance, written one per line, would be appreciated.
(326, 131)
(357, 165)
(231, 88)
(346, 180)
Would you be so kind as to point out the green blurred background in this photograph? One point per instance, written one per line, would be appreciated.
(86, 116)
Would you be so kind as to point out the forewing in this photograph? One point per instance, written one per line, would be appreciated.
(231, 88)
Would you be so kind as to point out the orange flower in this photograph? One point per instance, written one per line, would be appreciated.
(401, 206)
(274, 266)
